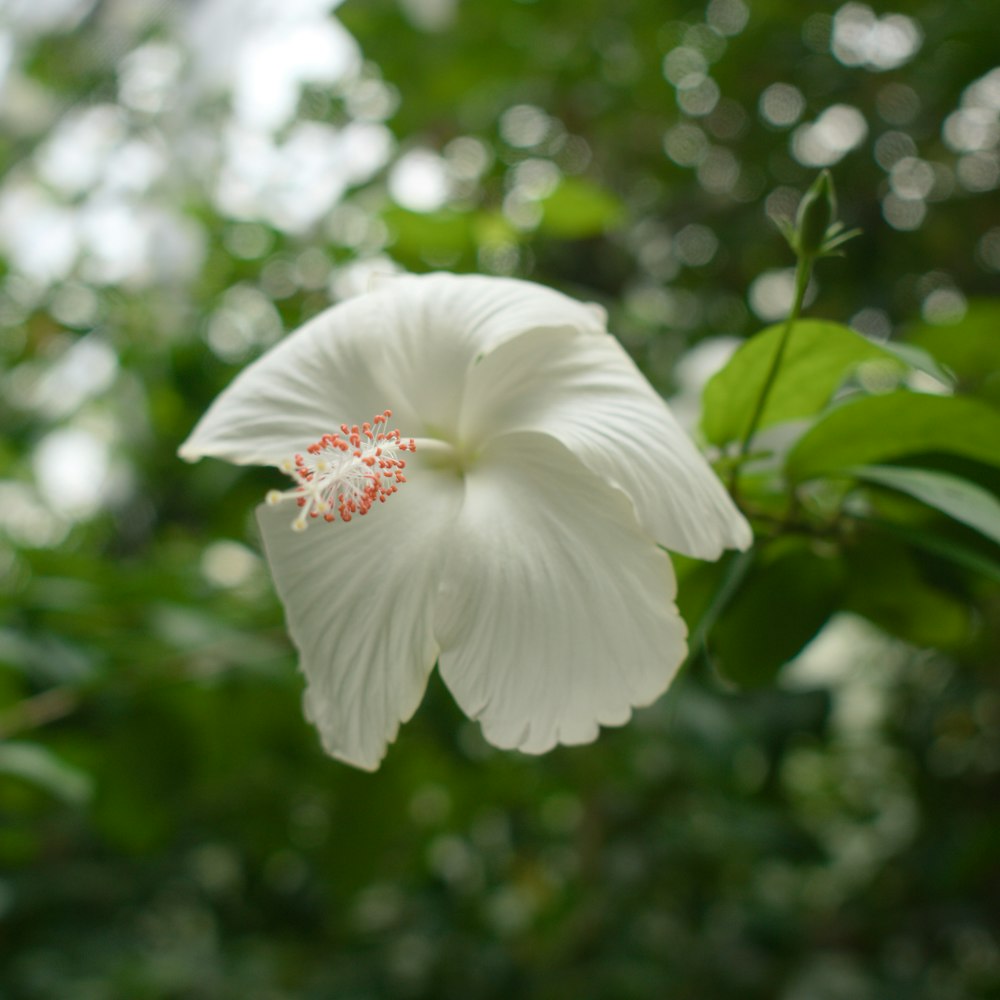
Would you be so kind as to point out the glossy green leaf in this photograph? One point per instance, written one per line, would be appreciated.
(818, 358)
(970, 348)
(875, 428)
(782, 603)
(958, 498)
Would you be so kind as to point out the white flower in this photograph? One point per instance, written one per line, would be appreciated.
(521, 553)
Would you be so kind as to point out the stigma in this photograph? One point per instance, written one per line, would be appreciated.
(344, 475)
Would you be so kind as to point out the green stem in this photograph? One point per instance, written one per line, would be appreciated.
(802, 272)
(739, 566)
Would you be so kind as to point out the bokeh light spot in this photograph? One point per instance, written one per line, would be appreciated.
(832, 136)
(700, 99)
(728, 17)
(861, 38)
(988, 249)
(781, 105)
(944, 306)
(771, 294)
(911, 178)
(695, 245)
(72, 467)
(229, 564)
(687, 145)
(419, 181)
(684, 66)
(902, 213)
(524, 126)
(891, 147)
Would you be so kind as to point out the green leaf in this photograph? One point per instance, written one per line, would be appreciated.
(784, 600)
(705, 590)
(958, 498)
(957, 553)
(970, 348)
(818, 358)
(916, 357)
(887, 587)
(875, 428)
(41, 767)
(578, 208)
(492, 227)
(417, 234)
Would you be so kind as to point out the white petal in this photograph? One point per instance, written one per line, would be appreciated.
(358, 601)
(556, 611)
(585, 390)
(406, 346)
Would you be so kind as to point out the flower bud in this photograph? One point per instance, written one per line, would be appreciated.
(817, 211)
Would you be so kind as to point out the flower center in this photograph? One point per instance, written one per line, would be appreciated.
(345, 474)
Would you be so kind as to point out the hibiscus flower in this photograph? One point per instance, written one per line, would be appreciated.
(506, 520)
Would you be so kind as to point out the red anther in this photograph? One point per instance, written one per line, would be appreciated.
(348, 484)
(413, 445)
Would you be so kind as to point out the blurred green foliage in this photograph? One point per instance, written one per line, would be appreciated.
(823, 829)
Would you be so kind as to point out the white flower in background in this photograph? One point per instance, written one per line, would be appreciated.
(520, 550)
